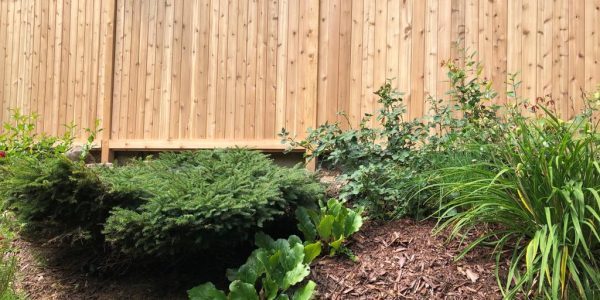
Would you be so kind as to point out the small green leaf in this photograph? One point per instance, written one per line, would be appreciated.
(305, 292)
(337, 244)
(295, 275)
(305, 224)
(325, 227)
(206, 291)
(249, 271)
(270, 288)
(312, 251)
(262, 240)
(242, 291)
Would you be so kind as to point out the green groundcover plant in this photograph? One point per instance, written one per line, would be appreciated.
(275, 270)
(539, 192)
(194, 200)
(330, 226)
(278, 269)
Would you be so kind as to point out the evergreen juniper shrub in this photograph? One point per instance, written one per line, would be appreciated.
(186, 202)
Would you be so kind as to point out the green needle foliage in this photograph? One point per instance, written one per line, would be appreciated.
(195, 200)
(540, 192)
(273, 271)
(55, 196)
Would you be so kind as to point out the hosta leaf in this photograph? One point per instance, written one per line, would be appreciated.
(249, 271)
(206, 291)
(312, 251)
(305, 224)
(242, 291)
(295, 275)
(293, 240)
(339, 225)
(305, 292)
(270, 288)
(325, 226)
(293, 257)
(262, 240)
(353, 223)
(283, 297)
(336, 245)
(334, 206)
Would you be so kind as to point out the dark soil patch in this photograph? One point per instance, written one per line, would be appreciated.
(402, 260)
(45, 272)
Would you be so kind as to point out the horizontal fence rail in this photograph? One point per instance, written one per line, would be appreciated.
(187, 74)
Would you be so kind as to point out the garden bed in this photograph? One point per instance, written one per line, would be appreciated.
(399, 259)
(402, 260)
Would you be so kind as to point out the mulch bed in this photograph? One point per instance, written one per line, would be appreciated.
(402, 260)
(397, 260)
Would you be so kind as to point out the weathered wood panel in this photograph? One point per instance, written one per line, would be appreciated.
(227, 69)
(50, 53)
(174, 73)
(554, 45)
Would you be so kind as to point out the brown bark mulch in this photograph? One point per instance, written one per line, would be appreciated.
(397, 260)
(402, 260)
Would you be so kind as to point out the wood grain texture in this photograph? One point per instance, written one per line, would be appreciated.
(170, 71)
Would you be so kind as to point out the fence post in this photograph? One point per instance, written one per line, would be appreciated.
(110, 12)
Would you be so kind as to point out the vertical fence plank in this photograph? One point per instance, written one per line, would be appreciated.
(186, 69)
(291, 68)
(415, 107)
(109, 23)
(230, 68)
(514, 45)
(356, 51)
(529, 42)
(241, 67)
(251, 68)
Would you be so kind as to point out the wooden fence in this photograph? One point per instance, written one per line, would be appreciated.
(169, 74)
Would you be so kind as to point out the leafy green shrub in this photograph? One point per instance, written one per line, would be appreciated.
(20, 138)
(273, 271)
(194, 200)
(382, 164)
(540, 191)
(330, 226)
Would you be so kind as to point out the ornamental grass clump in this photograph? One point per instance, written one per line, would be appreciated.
(539, 191)
(178, 203)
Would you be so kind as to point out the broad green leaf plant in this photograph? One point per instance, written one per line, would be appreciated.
(274, 271)
(330, 226)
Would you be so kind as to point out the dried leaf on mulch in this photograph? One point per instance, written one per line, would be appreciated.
(402, 260)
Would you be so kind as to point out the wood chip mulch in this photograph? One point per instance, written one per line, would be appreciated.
(402, 260)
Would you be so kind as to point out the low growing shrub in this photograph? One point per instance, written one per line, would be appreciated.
(55, 196)
(51, 193)
(193, 200)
